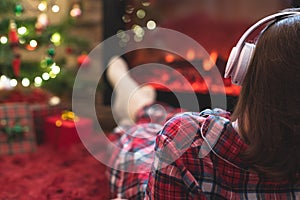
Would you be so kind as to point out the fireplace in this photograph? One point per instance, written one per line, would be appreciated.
(176, 79)
(181, 80)
(216, 35)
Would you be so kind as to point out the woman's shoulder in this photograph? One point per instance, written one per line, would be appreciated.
(197, 118)
(216, 112)
(187, 124)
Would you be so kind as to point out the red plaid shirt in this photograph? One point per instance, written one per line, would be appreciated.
(197, 157)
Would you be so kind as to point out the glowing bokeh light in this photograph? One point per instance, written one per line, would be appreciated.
(151, 25)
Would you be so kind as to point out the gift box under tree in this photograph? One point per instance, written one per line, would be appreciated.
(62, 131)
(40, 112)
(16, 129)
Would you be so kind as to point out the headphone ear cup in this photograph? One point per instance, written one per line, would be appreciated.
(230, 63)
(243, 62)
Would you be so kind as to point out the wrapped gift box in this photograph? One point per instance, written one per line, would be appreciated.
(17, 133)
(40, 112)
(63, 133)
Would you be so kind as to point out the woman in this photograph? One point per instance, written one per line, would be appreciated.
(251, 154)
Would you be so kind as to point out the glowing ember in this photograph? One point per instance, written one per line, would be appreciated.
(183, 79)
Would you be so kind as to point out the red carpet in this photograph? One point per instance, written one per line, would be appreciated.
(49, 174)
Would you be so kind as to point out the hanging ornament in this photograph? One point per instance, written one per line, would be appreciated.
(41, 23)
(46, 62)
(69, 50)
(38, 28)
(83, 60)
(19, 10)
(76, 10)
(49, 61)
(43, 19)
(16, 64)
(13, 37)
(51, 51)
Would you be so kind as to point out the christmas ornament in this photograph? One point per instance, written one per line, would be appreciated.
(19, 10)
(16, 63)
(14, 43)
(41, 23)
(51, 51)
(76, 10)
(49, 61)
(83, 60)
(46, 62)
(69, 50)
(13, 37)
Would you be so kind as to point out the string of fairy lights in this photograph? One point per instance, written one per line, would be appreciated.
(16, 36)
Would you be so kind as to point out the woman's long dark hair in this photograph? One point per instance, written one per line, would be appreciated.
(268, 110)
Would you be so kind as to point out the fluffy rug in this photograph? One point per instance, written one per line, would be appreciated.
(51, 174)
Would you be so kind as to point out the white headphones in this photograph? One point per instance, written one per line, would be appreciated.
(241, 55)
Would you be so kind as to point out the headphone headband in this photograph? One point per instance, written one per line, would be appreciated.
(267, 19)
(236, 66)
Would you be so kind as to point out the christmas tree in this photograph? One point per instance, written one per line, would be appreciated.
(34, 52)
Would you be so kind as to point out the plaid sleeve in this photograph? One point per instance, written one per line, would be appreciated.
(169, 178)
(131, 161)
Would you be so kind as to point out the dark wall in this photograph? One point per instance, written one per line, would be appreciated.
(112, 16)
(113, 11)
(296, 3)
